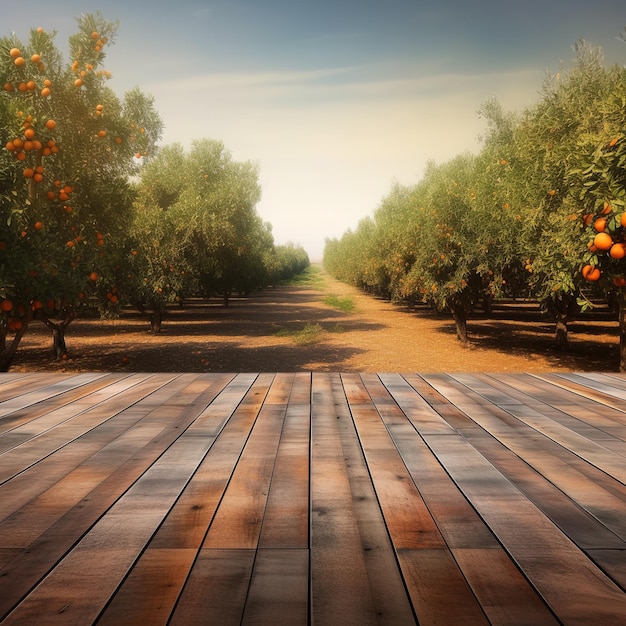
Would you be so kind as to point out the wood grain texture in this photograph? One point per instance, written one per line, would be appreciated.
(313, 498)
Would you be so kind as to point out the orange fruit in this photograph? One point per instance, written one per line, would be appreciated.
(622, 220)
(78, 82)
(28, 172)
(102, 133)
(591, 273)
(14, 53)
(603, 241)
(93, 276)
(38, 177)
(19, 61)
(45, 92)
(50, 125)
(6, 306)
(600, 224)
(617, 251)
(619, 281)
(606, 208)
(38, 225)
(35, 58)
(613, 141)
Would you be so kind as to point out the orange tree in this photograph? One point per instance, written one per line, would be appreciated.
(579, 108)
(195, 230)
(68, 145)
(602, 190)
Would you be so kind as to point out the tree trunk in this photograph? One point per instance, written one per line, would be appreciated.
(621, 298)
(459, 315)
(156, 320)
(226, 297)
(59, 347)
(563, 310)
(561, 336)
(8, 350)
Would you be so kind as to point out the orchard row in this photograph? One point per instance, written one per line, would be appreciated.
(92, 210)
(539, 211)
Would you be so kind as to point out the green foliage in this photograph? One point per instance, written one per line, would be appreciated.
(310, 334)
(345, 304)
(67, 153)
(508, 220)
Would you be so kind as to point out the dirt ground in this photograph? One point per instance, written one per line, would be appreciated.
(258, 334)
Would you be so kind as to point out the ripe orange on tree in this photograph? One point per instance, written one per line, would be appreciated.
(591, 273)
(603, 241)
(618, 251)
(599, 224)
(6, 305)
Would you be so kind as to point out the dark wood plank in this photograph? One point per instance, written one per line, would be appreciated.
(591, 488)
(286, 516)
(577, 590)
(55, 433)
(303, 497)
(42, 554)
(217, 588)
(182, 532)
(238, 520)
(502, 590)
(389, 594)
(340, 588)
(279, 588)
(429, 569)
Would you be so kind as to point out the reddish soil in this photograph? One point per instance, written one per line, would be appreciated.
(377, 336)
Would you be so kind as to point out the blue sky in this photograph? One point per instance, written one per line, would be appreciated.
(334, 99)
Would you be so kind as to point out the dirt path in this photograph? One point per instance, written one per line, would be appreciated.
(261, 333)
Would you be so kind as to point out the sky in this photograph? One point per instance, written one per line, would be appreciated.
(334, 100)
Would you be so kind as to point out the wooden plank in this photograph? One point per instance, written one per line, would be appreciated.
(33, 389)
(576, 590)
(115, 440)
(586, 485)
(237, 522)
(429, 569)
(583, 386)
(547, 422)
(279, 588)
(389, 594)
(503, 592)
(136, 387)
(156, 586)
(23, 572)
(286, 517)
(591, 419)
(182, 532)
(216, 590)
(340, 589)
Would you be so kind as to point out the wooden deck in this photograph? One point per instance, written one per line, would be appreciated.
(320, 498)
